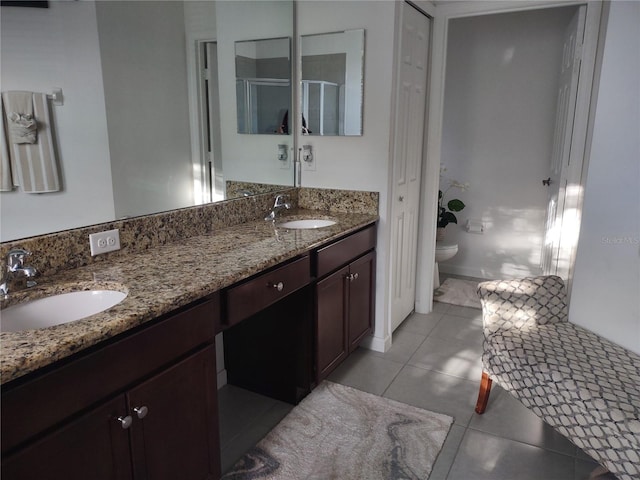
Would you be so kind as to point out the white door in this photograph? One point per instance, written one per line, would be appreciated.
(553, 261)
(407, 161)
(210, 140)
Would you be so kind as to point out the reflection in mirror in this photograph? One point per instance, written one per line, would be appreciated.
(263, 85)
(332, 83)
(134, 135)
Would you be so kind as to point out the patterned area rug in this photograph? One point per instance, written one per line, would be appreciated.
(458, 292)
(338, 432)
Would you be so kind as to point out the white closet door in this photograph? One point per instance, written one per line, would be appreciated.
(407, 160)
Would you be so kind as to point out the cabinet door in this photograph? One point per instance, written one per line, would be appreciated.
(331, 333)
(94, 446)
(361, 299)
(178, 434)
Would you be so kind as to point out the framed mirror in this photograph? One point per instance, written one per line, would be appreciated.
(331, 89)
(263, 85)
(134, 135)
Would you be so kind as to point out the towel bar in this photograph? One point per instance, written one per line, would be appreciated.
(56, 96)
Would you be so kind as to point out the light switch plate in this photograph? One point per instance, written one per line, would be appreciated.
(103, 242)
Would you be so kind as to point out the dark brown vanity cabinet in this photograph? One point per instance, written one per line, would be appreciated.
(344, 298)
(142, 407)
(268, 331)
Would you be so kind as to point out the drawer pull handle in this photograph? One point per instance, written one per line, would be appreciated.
(141, 412)
(125, 422)
(278, 286)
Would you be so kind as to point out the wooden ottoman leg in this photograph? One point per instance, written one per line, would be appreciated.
(483, 394)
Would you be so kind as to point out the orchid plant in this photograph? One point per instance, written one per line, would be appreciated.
(445, 210)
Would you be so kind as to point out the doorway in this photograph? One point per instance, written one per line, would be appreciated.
(503, 73)
(446, 15)
(209, 121)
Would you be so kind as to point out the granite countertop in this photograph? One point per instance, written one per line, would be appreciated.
(159, 281)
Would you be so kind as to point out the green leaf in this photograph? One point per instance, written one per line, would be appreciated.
(455, 205)
(447, 218)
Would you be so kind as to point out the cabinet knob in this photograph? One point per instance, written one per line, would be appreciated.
(278, 286)
(125, 422)
(141, 412)
(355, 276)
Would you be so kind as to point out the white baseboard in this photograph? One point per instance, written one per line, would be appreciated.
(461, 270)
(377, 344)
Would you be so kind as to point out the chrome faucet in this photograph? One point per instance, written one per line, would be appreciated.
(279, 203)
(17, 276)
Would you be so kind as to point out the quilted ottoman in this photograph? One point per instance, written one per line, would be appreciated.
(583, 385)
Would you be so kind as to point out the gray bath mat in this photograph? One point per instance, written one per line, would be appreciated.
(458, 292)
(338, 432)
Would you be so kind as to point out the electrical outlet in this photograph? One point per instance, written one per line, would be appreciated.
(308, 158)
(104, 242)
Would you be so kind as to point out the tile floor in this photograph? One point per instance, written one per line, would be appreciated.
(434, 363)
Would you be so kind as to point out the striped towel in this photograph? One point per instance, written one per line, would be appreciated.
(6, 181)
(34, 166)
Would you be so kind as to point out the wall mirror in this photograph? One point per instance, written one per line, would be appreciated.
(331, 89)
(148, 120)
(263, 85)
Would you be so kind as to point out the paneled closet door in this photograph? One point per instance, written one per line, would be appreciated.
(407, 160)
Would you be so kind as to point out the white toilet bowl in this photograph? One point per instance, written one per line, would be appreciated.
(444, 251)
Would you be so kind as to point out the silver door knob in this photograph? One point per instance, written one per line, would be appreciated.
(355, 276)
(278, 286)
(125, 422)
(141, 412)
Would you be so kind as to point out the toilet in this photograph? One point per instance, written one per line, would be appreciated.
(444, 251)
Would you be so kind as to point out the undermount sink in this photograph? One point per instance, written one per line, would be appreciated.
(308, 223)
(57, 309)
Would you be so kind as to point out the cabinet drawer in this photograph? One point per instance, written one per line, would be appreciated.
(48, 399)
(253, 295)
(343, 251)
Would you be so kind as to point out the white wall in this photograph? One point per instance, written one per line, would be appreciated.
(359, 163)
(58, 47)
(500, 100)
(142, 48)
(249, 158)
(606, 287)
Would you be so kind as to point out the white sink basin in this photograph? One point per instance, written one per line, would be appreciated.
(307, 223)
(57, 309)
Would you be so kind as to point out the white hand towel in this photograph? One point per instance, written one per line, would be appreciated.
(34, 166)
(22, 124)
